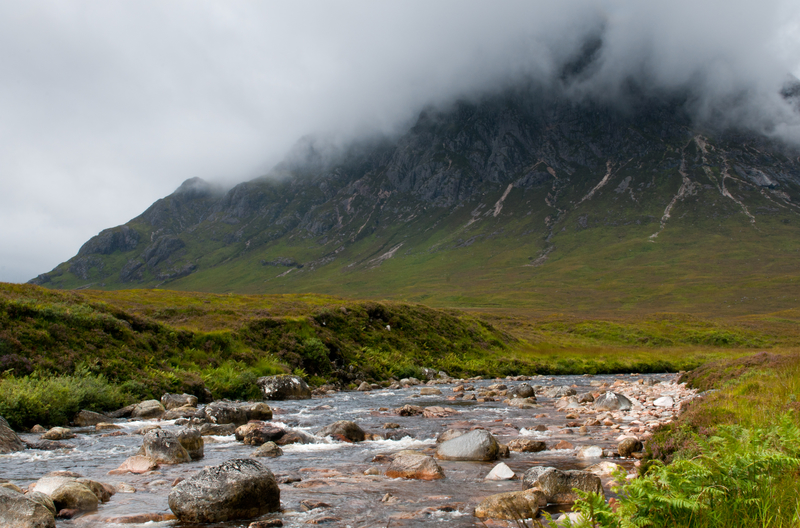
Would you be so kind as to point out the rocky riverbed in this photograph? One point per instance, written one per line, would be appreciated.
(333, 477)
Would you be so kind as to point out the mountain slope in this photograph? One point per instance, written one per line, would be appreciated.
(521, 199)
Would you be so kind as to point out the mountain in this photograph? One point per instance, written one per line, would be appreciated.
(521, 199)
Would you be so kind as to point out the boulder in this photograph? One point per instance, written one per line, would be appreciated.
(125, 412)
(558, 485)
(74, 495)
(559, 392)
(409, 410)
(173, 401)
(478, 444)
(102, 491)
(42, 499)
(612, 401)
(164, 447)
(268, 449)
(628, 445)
(347, 430)
(180, 412)
(88, 418)
(603, 469)
(586, 397)
(258, 433)
(148, 410)
(414, 466)
(258, 411)
(429, 391)
(227, 412)
(523, 390)
(58, 433)
(284, 388)
(208, 429)
(19, 511)
(192, 441)
(664, 401)
(364, 387)
(590, 452)
(136, 464)
(526, 445)
(500, 472)
(9, 441)
(295, 436)
(522, 403)
(449, 434)
(236, 489)
(48, 484)
(512, 506)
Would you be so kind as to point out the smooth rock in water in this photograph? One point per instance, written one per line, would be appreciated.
(500, 472)
(74, 496)
(590, 452)
(88, 418)
(11, 486)
(48, 484)
(512, 506)
(364, 387)
(19, 511)
(258, 433)
(225, 412)
(664, 401)
(147, 428)
(177, 413)
(236, 489)
(268, 449)
(429, 391)
(293, 436)
(478, 444)
(192, 441)
(136, 464)
(9, 441)
(42, 499)
(148, 410)
(629, 445)
(522, 403)
(103, 492)
(563, 444)
(409, 410)
(58, 433)
(164, 447)
(258, 411)
(173, 401)
(36, 429)
(523, 390)
(208, 429)
(525, 445)
(284, 388)
(603, 469)
(344, 428)
(558, 485)
(612, 401)
(414, 466)
(559, 392)
(586, 397)
(141, 518)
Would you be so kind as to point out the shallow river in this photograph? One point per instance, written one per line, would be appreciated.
(333, 472)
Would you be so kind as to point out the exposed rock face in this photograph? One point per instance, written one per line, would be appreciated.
(164, 447)
(414, 466)
(474, 445)
(9, 441)
(173, 401)
(121, 238)
(192, 441)
(558, 485)
(612, 401)
(86, 418)
(236, 489)
(284, 388)
(148, 409)
(512, 506)
(345, 429)
(18, 511)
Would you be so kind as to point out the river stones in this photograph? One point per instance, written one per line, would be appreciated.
(225, 412)
(522, 403)
(148, 410)
(9, 441)
(136, 464)
(284, 388)
(500, 472)
(409, 410)
(478, 444)
(664, 401)
(512, 506)
(209, 429)
(559, 392)
(558, 485)
(449, 434)
(42, 499)
(429, 391)
(269, 450)
(164, 447)
(58, 433)
(187, 411)
(414, 466)
(628, 445)
(192, 442)
(236, 489)
(88, 418)
(612, 401)
(74, 495)
(125, 412)
(19, 511)
(174, 401)
(343, 430)
(258, 433)
(523, 390)
(526, 445)
(590, 452)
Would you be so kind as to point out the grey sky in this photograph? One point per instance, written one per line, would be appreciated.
(106, 106)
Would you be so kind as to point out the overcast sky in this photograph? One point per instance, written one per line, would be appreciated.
(106, 106)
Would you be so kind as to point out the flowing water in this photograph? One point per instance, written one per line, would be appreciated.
(333, 472)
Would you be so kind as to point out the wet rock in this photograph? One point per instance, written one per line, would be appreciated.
(391, 425)
(226, 412)
(603, 469)
(174, 401)
(74, 495)
(256, 433)
(590, 452)
(344, 428)
(324, 520)
(36, 429)
(449, 435)
(136, 464)
(629, 445)
(364, 387)
(88, 418)
(42, 499)
(500, 472)
(414, 466)
(101, 491)
(48, 484)
(567, 402)
(236, 489)
(58, 433)
(124, 487)
(105, 426)
(9, 441)
(522, 403)
(408, 410)
(177, 413)
(503, 451)
(308, 505)
(208, 429)
(258, 411)
(192, 441)
(268, 449)
(429, 391)
(410, 382)
(11, 486)
(558, 485)
(284, 388)
(141, 518)
(270, 523)
(512, 506)
(295, 437)
(478, 444)
(435, 411)
(563, 444)
(148, 410)
(612, 401)
(523, 390)
(586, 397)
(19, 511)
(164, 447)
(147, 428)
(124, 412)
(525, 445)
(559, 392)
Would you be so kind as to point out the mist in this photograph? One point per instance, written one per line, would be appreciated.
(108, 106)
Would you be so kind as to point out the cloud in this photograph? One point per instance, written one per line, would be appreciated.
(107, 106)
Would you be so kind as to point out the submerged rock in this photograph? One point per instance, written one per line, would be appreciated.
(284, 388)
(136, 464)
(478, 444)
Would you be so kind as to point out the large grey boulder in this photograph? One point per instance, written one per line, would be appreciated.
(343, 430)
(192, 441)
(148, 410)
(558, 485)
(236, 489)
(478, 444)
(18, 511)
(226, 412)
(164, 447)
(173, 401)
(284, 388)
(612, 401)
(9, 441)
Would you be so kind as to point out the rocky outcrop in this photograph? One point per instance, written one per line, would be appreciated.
(121, 239)
(236, 489)
(415, 466)
(164, 447)
(512, 506)
(558, 485)
(284, 388)
(9, 441)
(474, 445)
(343, 430)
(18, 511)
